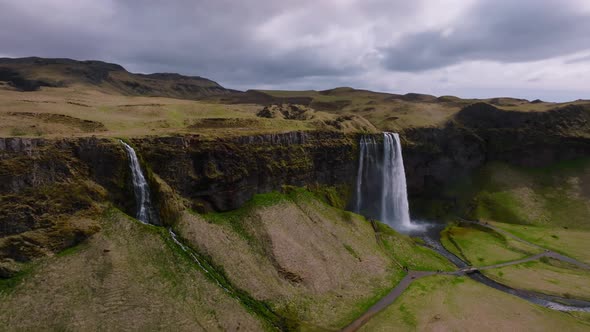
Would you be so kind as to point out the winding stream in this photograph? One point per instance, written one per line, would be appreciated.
(431, 238)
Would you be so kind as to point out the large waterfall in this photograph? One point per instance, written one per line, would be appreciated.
(381, 182)
(141, 188)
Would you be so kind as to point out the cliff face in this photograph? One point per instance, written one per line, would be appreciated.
(223, 174)
(480, 134)
(48, 186)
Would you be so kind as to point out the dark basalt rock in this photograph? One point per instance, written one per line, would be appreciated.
(223, 174)
(43, 183)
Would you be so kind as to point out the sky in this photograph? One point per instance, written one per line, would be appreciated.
(534, 49)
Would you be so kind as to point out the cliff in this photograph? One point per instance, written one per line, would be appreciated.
(481, 134)
(222, 174)
(44, 182)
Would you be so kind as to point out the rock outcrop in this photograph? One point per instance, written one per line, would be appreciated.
(287, 111)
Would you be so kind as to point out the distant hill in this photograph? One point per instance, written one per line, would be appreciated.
(30, 74)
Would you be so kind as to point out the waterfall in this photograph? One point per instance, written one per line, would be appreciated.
(381, 191)
(145, 211)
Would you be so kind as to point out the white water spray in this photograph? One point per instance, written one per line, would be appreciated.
(394, 200)
(140, 188)
(381, 190)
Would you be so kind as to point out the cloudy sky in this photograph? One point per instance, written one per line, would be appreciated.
(470, 48)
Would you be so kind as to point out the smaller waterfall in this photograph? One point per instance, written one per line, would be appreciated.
(145, 212)
(367, 147)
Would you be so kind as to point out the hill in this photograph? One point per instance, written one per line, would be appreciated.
(30, 74)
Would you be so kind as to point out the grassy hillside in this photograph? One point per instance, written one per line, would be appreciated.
(480, 246)
(554, 196)
(64, 97)
(30, 74)
(547, 276)
(313, 263)
(315, 266)
(570, 242)
(126, 277)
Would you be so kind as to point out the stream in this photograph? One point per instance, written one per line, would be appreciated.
(432, 239)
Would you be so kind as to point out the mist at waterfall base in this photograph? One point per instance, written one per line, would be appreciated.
(381, 190)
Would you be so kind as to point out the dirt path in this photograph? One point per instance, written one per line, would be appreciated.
(388, 299)
(413, 275)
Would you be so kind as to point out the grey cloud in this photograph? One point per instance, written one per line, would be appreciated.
(292, 43)
(217, 39)
(497, 30)
(579, 60)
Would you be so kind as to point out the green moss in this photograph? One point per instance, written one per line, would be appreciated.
(499, 206)
(8, 285)
(351, 251)
(237, 219)
(336, 196)
(552, 195)
(73, 250)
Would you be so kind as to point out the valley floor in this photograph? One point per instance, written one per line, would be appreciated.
(446, 302)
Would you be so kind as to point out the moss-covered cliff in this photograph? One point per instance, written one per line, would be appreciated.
(46, 182)
(222, 174)
(480, 134)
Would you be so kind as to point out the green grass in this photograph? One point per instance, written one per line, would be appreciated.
(7, 285)
(73, 250)
(446, 303)
(407, 253)
(217, 275)
(481, 246)
(351, 251)
(214, 273)
(546, 276)
(570, 242)
(364, 305)
(550, 196)
(236, 218)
